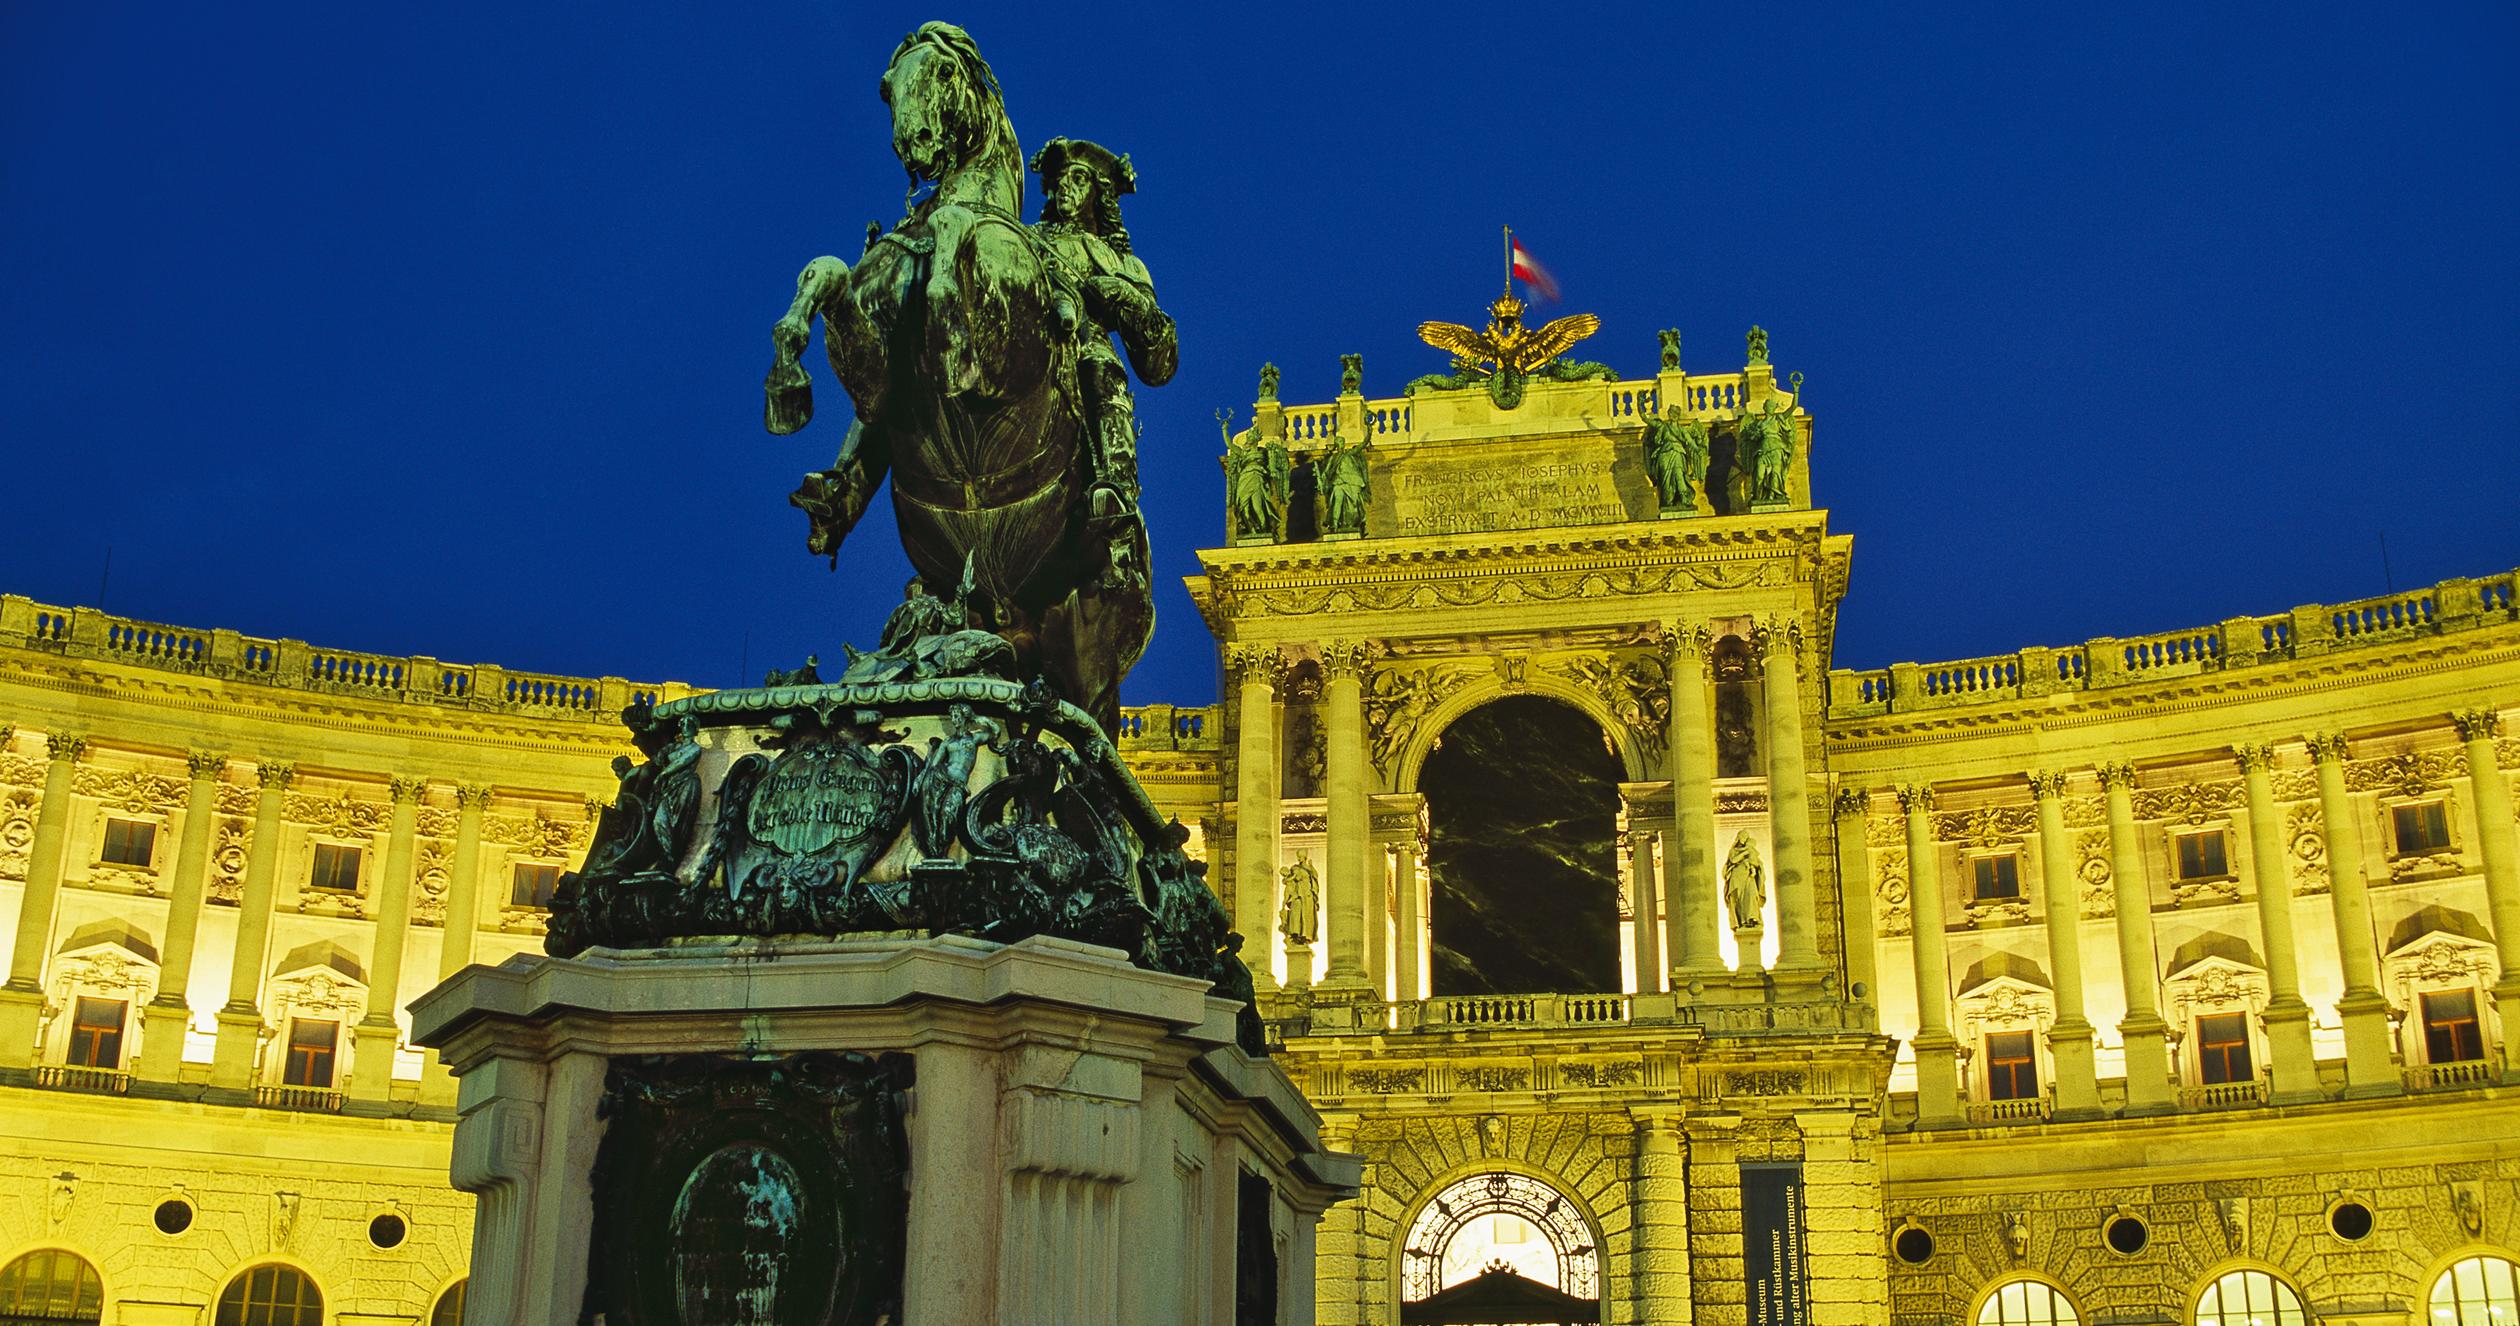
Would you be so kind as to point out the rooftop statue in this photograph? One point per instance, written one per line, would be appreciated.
(976, 351)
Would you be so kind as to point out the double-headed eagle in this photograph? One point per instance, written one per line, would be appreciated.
(1506, 346)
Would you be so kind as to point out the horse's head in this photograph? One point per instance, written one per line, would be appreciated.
(946, 107)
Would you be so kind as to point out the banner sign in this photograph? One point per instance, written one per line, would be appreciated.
(1772, 1253)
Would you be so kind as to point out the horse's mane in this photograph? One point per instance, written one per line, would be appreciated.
(992, 145)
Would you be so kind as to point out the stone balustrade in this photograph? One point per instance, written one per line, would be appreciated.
(1157, 727)
(85, 633)
(2239, 642)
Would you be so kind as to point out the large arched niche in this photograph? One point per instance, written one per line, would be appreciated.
(1522, 799)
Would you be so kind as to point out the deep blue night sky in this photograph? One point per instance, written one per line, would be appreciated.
(445, 335)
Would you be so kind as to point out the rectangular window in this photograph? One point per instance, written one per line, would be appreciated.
(533, 883)
(336, 869)
(1998, 877)
(2201, 855)
(2012, 1066)
(2451, 1035)
(311, 1045)
(2222, 1048)
(129, 842)
(2422, 829)
(96, 1032)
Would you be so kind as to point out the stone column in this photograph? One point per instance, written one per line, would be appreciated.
(167, 1017)
(1339, 1243)
(463, 883)
(2060, 907)
(2294, 1066)
(1644, 909)
(2139, 967)
(2362, 1008)
(241, 1019)
(378, 1034)
(463, 922)
(1789, 807)
(1343, 695)
(2492, 799)
(1855, 898)
(22, 1000)
(1937, 1069)
(1689, 854)
(1408, 973)
(1257, 669)
(1662, 1223)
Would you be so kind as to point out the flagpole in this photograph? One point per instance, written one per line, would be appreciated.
(1509, 262)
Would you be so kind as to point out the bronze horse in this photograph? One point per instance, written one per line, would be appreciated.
(957, 337)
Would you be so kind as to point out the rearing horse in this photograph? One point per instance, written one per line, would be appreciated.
(957, 340)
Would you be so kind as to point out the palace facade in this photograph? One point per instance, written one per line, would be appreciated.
(1659, 969)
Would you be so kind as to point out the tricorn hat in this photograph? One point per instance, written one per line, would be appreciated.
(1055, 155)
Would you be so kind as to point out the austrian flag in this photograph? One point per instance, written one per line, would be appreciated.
(1533, 274)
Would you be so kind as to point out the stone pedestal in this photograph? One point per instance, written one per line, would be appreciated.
(1078, 1139)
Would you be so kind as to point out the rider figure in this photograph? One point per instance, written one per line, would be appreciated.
(1081, 185)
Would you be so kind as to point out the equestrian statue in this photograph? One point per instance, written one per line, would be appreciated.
(977, 353)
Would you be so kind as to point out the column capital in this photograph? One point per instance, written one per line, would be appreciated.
(1640, 840)
(2254, 756)
(2116, 775)
(1656, 1125)
(1916, 798)
(1342, 658)
(1776, 638)
(1683, 639)
(204, 765)
(1850, 801)
(2477, 724)
(2325, 746)
(66, 747)
(405, 791)
(1264, 662)
(2047, 784)
(471, 796)
(275, 775)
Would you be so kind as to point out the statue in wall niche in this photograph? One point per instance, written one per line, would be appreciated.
(1676, 454)
(1736, 742)
(976, 353)
(1258, 472)
(1767, 440)
(1342, 478)
(1302, 887)
(1745, 882)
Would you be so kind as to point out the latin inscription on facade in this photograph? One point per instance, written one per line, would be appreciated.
(1458, 489)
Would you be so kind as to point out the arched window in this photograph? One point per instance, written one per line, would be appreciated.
(2250, 1298)
(450, 1305)
(271, 1296)
(1511, 1220)
(50, 1285)
(2028, 1303)
(2477, 1291)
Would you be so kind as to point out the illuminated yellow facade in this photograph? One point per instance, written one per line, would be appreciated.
(2117, 982)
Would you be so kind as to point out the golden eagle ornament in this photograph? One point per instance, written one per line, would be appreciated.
(1507, 345)
(1507, 352)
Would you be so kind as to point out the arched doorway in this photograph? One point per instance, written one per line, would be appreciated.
(1522, 797)
(1504, 1237)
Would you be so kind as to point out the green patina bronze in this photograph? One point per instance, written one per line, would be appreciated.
(978, 353)
(1677, 451)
